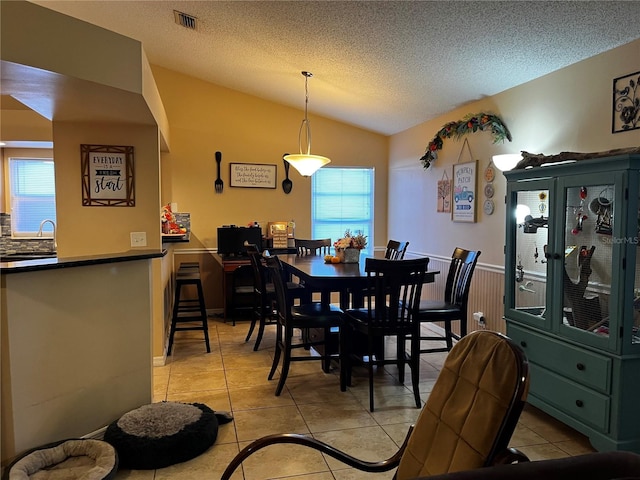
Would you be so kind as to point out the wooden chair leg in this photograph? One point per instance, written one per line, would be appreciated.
(448, 334)
(326, 357)
(415, 368)
(370, 365)
(261, 325)
(286, 360)
(344, 356)
(251, 327)
(400, 357)
(276, 354)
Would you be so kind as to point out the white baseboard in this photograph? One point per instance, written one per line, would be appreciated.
(96, 434)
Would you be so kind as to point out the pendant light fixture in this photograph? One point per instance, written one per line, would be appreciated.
(304, 162)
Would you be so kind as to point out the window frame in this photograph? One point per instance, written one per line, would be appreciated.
(369, 221)
(47, 232)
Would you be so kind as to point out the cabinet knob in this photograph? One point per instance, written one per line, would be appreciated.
(580, 366)
(579, 403)
(523, 344)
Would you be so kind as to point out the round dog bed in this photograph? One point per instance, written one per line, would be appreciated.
(73, 459)
(162, 434)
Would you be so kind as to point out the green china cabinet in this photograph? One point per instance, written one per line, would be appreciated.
(572, 292)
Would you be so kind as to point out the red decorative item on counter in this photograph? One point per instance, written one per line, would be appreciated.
(169, 224)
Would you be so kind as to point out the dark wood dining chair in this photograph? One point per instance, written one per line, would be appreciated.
(265, 295)
(395, 250)
(304, 316)
(466, 423)
(453, 307)
(391, 309)
(313, 247)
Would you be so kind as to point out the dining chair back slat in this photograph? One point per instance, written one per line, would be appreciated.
(313, 247)
(395, 250)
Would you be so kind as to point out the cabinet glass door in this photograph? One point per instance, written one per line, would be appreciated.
(589, 249)
(529, 229)
(633, 255)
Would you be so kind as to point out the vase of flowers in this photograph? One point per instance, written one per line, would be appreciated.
(348, 247)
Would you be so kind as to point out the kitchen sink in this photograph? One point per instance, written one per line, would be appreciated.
(17, 257)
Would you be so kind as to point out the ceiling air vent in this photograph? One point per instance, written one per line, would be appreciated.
(186, 20)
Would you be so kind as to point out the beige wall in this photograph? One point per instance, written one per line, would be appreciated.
(205, 118)
(568, 110)
(88, 230)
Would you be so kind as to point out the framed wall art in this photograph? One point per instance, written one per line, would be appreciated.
(626, 103)
(252, 175)
(107, 176)
(464, 191)
(444, 194)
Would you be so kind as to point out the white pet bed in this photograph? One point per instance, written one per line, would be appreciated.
(74, 459)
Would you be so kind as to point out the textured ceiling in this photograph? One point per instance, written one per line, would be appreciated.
(384, 66)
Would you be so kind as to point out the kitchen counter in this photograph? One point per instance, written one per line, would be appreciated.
(176, 237)
(56, 263)
(76, 337)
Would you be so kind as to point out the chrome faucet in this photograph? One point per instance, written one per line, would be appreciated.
(53, 224)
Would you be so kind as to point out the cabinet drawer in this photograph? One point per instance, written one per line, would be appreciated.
(583, 404)
(582, 366)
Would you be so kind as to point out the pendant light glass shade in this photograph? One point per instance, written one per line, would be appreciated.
(506, 161)
(305, 163)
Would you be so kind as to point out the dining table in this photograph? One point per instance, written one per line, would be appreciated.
(349, 280)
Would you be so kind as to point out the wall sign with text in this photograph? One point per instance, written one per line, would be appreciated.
(253, 175)
(464, 191)
(107, 176)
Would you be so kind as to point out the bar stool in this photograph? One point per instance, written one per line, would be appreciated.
(188, 310)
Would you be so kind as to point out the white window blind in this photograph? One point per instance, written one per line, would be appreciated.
(32, 194)
(341, 199)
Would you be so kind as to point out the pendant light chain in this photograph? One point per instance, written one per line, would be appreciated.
(305, 123)
(304, 162)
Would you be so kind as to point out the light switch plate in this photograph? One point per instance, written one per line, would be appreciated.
(138, 239)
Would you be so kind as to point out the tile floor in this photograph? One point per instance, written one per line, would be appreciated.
(234, 378)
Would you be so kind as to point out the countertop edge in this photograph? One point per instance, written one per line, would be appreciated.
(69, 262)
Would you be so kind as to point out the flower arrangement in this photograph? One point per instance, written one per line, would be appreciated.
(357, 241)
(469, 124)
(169, 224)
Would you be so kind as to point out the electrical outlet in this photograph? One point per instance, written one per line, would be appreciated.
(479, 317)
(138, 239)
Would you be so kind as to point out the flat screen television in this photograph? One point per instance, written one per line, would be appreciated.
(231, 240)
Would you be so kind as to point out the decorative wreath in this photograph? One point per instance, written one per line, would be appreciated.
(469, 124)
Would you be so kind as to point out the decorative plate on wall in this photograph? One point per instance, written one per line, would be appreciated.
(488, 206)
(488, 190)
(489, 173)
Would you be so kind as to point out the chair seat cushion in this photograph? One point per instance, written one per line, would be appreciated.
(85, 459)
(316, 315)
(438, 308)
(162, 434)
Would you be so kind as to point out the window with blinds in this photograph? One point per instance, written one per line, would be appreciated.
(32, 193)
(341, 199)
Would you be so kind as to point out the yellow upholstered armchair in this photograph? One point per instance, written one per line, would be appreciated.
(466, 423)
